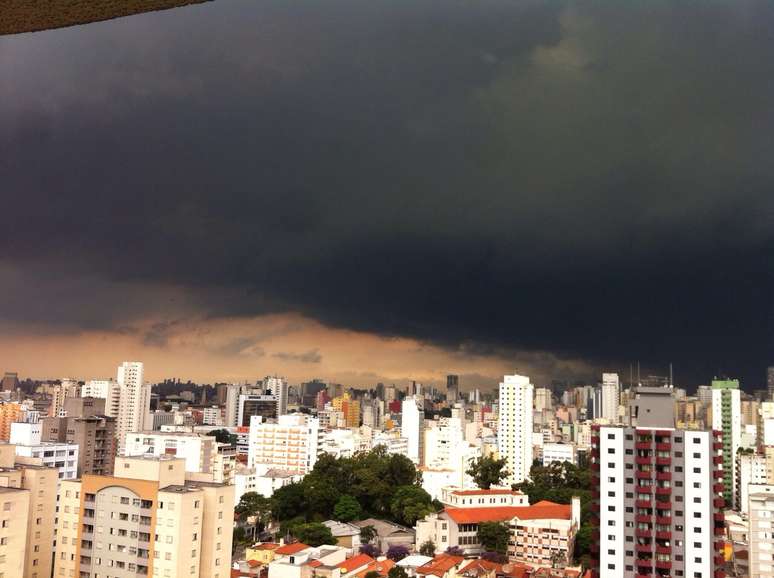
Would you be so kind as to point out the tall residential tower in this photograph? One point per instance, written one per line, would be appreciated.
(514, 434)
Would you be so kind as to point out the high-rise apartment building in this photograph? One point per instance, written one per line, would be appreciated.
(751, 470)
(278, 386)
(107, 389)
(514, 432)
(349, 407)
(290, 443)
(452, 388)
(542, 399)
(727, 418)
(770, 382)
(609, 397)
(26, 528)
(657, 495)
(761, 538)
(10, 381)
(148, 520)
(412, 427)
(134, 401)
(67, 388)
(26, 439)
(10, 412)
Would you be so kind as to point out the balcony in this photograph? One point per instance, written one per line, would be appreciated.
(717, 459)
(664, 476)
(643, 533)
(641, 475)
(643, 445)
(644, 548)
(718, 488)
(666, 506)
(719, 560)
(643, 461)
(720, 546)
(663, 550)
(643, 519)
(663, 491)
(719, 517)
(663, 535)
(720, 574)
(717, 446)
(595, 440)
(595, 466)
(664, 447)
(663, 564)
(643, 504)
(663, 461)
(718, 502)
(720, 531)
(717, 473)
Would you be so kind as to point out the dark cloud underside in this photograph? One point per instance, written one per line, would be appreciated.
(592, 180)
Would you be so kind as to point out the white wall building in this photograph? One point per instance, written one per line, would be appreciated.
(761, 537)
(514, 435)
(63, 456)
(750, 469)
(542, 399)
(134, 401)
(263, 480)
(610, 391)
(291, 443)
(212, 415)
(559, 452)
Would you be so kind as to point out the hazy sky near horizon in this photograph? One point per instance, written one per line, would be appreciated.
(405, 188)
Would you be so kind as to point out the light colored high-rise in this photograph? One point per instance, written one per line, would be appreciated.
(134, 402)
(514, 433)
(610, 392)
(727, 417)
(542, 399)
(412, 427)
(150, 521)
(290, 443)
(66, 389)
(278, 386)
(750, 472)
(107, 389)
(760, 507)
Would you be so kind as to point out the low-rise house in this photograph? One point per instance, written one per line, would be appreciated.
(389, 534)
(411, 563)
(354, 565)
(347, 535)
(262, 552)
(381, 566)
(301, 561)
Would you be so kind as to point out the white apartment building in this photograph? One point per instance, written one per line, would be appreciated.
(107, 389)
(727, 418)
(343, 443)
(212, 416)
(761, 537)
(610, 392)
(750, 469)
(201, 453)
(514, 435)
(412, 428)
(134, 401)
(391, 440)
(559, 452)
(290, 443)
(657, 494)
(26, 439)
(263, 480)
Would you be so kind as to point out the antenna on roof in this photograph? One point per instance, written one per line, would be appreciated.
(639, 382)
(671, 376)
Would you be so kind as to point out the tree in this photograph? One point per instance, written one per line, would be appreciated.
(495, 557)
(347, 509)
(289, 502)
(397, 552)
(254, 505)
(314, 534)
(494, 536)
(372, 574)
(427, 548)
(487, 471)
(367, 533)
(397, 572)
(411, 503)
(223, 436)
(370, 550)
(455, 551)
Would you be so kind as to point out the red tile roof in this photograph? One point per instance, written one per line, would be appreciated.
(541, 511)
(486, 492)
(440, 565)
(314, 563)
(381, 567)
(352, 564)
(288, 549)
(266, 546)
(253, 563)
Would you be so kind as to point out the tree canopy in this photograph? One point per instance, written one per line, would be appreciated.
(314, 534)
(427, 548)
(494, 536)
(410, 503)
(487, 471)
(347, 509)
(223, 436)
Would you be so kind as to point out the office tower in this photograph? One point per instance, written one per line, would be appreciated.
(107, 389)
(514, 432)
(260, 404)
(543, 399)
(452, 388)
(149, 521)
(10, 381)
(726, 417)
(412, 428)
(29, 531)
(221, 389)
(770, 382)
(291, 443)
(656, 492)
(610, 391)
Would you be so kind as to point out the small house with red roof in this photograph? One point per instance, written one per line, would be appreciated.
(441, 566)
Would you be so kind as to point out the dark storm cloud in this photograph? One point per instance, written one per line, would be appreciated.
(311, 356)
(590, 180)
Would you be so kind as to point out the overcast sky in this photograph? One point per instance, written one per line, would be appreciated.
(392, 189)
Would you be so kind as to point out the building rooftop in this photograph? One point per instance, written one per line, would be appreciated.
(341, 528)
(352, 564)
(440, 565)
(542, 510)
(289, 549)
